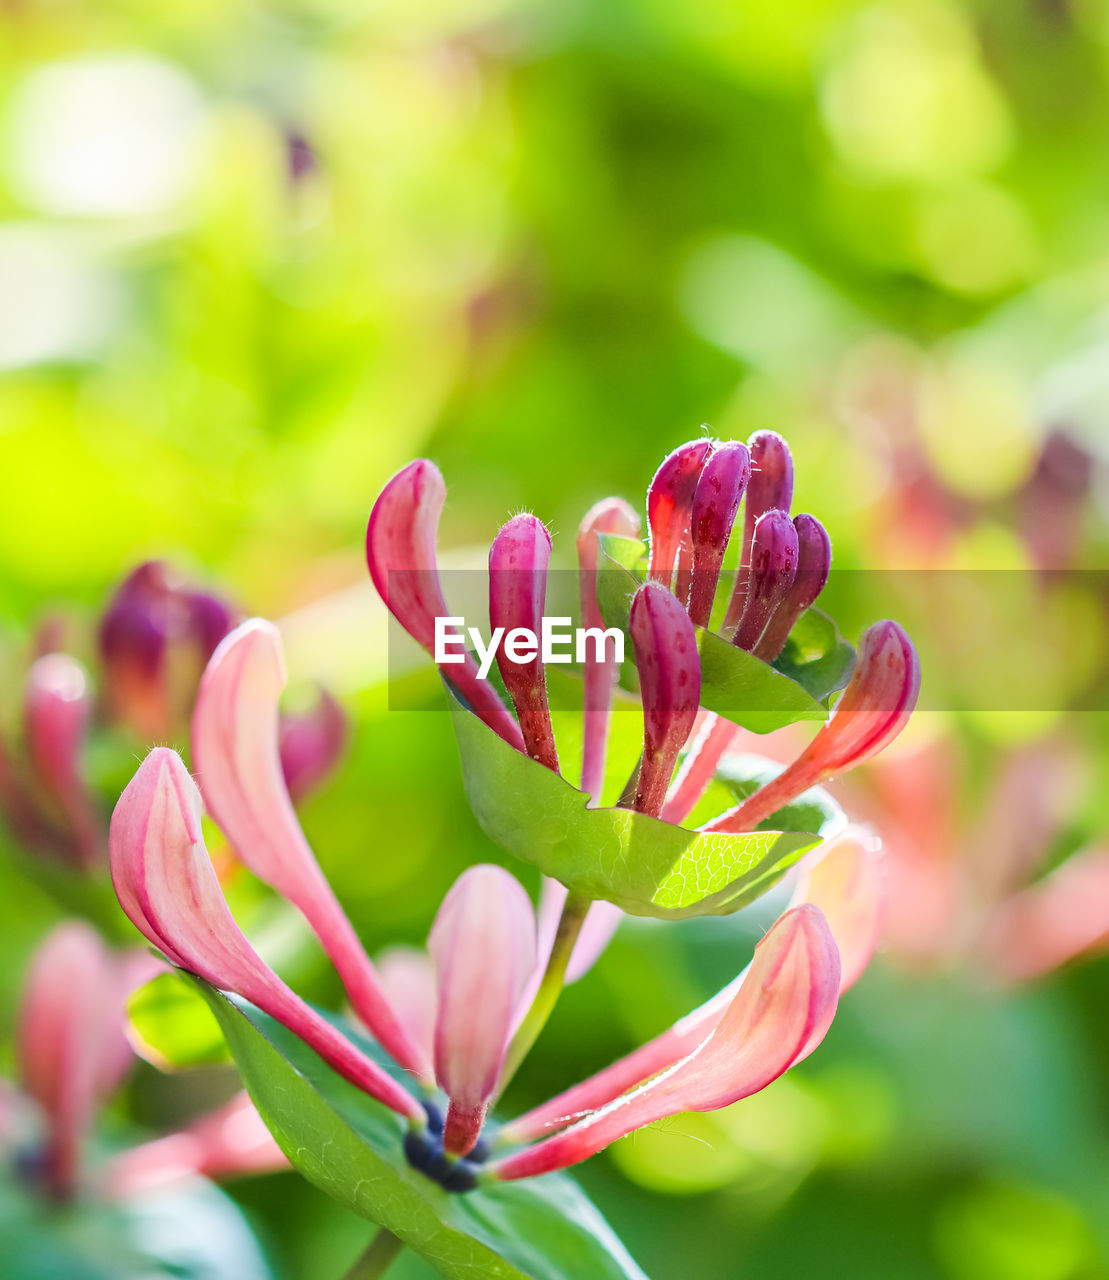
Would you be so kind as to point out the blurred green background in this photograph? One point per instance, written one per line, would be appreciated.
(256, 256)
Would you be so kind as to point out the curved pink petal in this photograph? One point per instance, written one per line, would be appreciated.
(400, 552)
(770, 488)
(781, 1011)
(847, 885)
(166, 884)
(873, 710)
(238, 763)
(483, 946)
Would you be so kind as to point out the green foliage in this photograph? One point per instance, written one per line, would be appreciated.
(647, 867)
(351, 1147)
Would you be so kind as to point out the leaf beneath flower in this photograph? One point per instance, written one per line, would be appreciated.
(647, 867)
(351, 1147)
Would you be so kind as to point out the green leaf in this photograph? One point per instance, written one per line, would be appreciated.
(351, 1147)
(647, 867)
(816, 655)
(749, 692)
(173, 1026)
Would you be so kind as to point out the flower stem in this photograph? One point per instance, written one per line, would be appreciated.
(574, 911)
(380, 1253)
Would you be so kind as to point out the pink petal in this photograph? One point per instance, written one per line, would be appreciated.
(400, 552)
(1063, 916)
(166, 884)
(846, 880)
(814, 563)
(483, 946)
(408, 978)
(236, 753)
(231, 1141)
(71, 1022)
(770, 578)
(873, 710)
(781, 1011)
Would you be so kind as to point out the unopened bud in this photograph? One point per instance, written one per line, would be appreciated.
(772, 574)
(669, 667)
(518, 562)
(669, 504)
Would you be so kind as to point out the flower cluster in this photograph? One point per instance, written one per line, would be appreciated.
(457, 1021)
(155, 637)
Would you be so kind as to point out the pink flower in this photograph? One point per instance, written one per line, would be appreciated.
(843, 880)
(483, 946)
(716, 499)
(71, 1049)
(400, 552)
(874, 708)
(165, 883)
(238, 763)
(231, 1141)
(780, 1013)
(310, 744)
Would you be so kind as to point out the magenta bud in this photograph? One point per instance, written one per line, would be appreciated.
(483, 945)
(518, 561)
(716, 500)
(814, 563)
(156, 635)
(772, 574)
(669, 667)
(311, 744)
(770, 488)
(400, 552)
(669, 501)
(874, 708)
